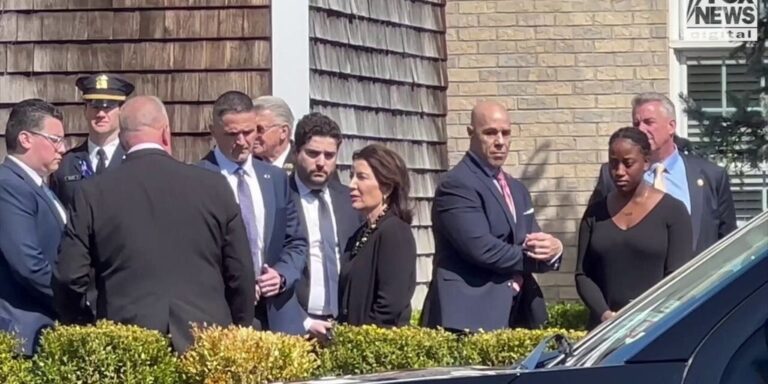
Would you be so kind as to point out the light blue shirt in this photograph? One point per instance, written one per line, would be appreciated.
(675, 180)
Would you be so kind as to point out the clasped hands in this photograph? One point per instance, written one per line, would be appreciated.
(542, 246)
(268, 283)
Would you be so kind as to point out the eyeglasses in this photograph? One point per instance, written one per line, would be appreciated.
(262, 129)
(57, 141)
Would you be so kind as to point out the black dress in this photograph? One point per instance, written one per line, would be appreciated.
(614, 266)
(377, 283)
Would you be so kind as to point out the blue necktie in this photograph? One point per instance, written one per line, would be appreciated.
(249, 218)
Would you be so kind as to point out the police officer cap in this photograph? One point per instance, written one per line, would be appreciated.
(104, 91)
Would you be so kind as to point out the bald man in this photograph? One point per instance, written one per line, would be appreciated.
(166, 239)
(487, 239)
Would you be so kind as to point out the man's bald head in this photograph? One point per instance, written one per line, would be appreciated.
(143, 119)
(485, 110)
(489, 133)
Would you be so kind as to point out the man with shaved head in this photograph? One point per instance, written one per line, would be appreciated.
(166, 239)
(487, 239)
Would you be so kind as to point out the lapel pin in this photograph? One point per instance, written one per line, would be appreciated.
(700, 182)
(267, 176)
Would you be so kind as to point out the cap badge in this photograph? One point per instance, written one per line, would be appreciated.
(102, 82)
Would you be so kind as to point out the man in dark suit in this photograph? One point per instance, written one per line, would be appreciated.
(166, 239)
(103, 94)
(487, 239)
(326, 210)
(702, 186)
(273, 141)
(277, 241)
(31, 218)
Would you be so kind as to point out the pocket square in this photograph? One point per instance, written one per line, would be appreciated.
(528, 212)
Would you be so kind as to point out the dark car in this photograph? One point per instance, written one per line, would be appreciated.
(706, 323)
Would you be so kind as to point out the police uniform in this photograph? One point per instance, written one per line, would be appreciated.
(101, 91)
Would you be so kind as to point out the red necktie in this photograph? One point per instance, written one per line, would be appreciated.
(517, 280)
(502, 179)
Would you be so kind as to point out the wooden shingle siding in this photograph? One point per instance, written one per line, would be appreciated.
(186, 52)
(379, 69)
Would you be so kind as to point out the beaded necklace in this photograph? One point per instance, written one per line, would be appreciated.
(368, 231)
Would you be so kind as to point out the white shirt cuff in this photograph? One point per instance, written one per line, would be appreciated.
(307, 323)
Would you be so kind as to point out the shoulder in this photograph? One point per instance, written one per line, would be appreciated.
(393, 225)
(458, 177)
(672, 207)
(703, 164)
(277, 174)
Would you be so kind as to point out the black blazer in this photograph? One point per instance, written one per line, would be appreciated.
(376, 285)
(348, 220)
(713, 214)
(478, 248)
(167, 244)
(70, 174)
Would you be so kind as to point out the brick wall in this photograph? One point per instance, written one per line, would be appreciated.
(566, 70)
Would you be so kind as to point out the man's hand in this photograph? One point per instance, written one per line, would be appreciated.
(607, 315)
(319, 329)
(542, 246)
(258, 294)
(269, 281)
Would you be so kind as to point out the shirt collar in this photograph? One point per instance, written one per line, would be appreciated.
(280, 161)
(109, 149)
(303, 189)
(141, 146)
(230, 166)
(35, 177)
(487, 168)
(671, 163)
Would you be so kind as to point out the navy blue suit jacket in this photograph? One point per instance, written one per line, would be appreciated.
(285, 243)
(478, 249)
(31, 230)
(713, 214)
(348, 220)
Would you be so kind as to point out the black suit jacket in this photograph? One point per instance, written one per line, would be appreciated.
(348, 220)
(70, 174)
(168, 246)
(377, 284)
(713, 214)
(478, 246)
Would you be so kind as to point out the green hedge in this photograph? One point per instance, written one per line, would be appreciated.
(13, 370)
(561, 316)
(111, 353)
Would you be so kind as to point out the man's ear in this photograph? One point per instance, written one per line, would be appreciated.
(672, 127)
(25, 140)
(470, 130)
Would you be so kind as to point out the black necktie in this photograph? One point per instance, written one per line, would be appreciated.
(328, 247)
(102, 164)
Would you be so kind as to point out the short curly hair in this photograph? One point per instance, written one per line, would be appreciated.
(316, 124)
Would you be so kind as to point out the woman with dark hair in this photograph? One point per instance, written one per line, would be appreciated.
(632, 238)
(378, 270)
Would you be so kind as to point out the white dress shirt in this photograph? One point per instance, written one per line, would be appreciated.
(109, 149)
(318, 292)
(39, 182)
(228, 168)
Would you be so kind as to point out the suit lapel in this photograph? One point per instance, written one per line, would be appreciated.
(39, 191)
(517, 197)
(117, 157)
(267, 188)
(488, 182)
(696, 192)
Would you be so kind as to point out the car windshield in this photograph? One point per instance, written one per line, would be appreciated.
(720, 264)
